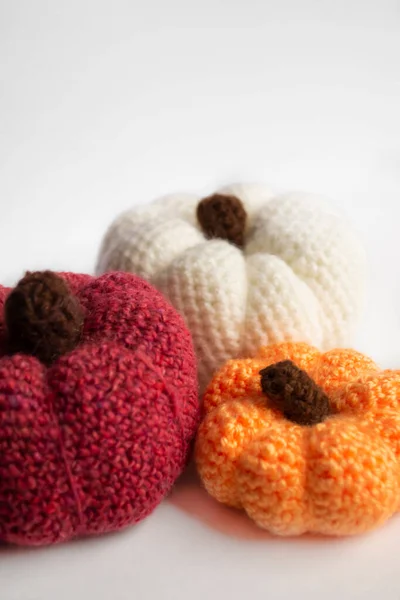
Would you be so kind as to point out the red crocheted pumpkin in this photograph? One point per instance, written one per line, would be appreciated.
(98, 404)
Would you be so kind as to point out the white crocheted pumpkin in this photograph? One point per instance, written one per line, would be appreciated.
(245, 268)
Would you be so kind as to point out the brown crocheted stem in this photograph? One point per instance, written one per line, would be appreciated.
(294, 393)
(224, 217)
(42, 317)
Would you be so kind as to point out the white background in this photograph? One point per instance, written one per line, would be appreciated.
(108, 104)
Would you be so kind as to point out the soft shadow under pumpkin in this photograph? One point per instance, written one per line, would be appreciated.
(189, 496)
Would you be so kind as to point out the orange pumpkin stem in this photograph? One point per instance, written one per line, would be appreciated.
(294, 393)
(222, 216)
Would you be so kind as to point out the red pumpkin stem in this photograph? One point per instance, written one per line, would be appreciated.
(222, 216)
(294, 393)
(42, 317)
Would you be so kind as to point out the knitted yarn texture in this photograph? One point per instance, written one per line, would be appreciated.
(270, 445)
(245, 268)
(93, 439)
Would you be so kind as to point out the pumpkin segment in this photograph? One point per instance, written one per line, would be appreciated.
(294, 393)
(43, 318)
(223, 217)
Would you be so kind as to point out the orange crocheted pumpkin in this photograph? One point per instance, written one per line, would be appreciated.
(303, 441)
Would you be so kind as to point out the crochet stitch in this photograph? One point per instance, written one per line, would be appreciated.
(93, 439)
(336, 477)
(245, 268)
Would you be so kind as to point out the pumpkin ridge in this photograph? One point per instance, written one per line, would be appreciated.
(316, 261)
(70, 475)
(198, 300)
(289, 281)
(254, 396)
(309, 515)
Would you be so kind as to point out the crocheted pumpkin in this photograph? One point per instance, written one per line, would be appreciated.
(98, 404)
(303, 441)
(244, 268)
